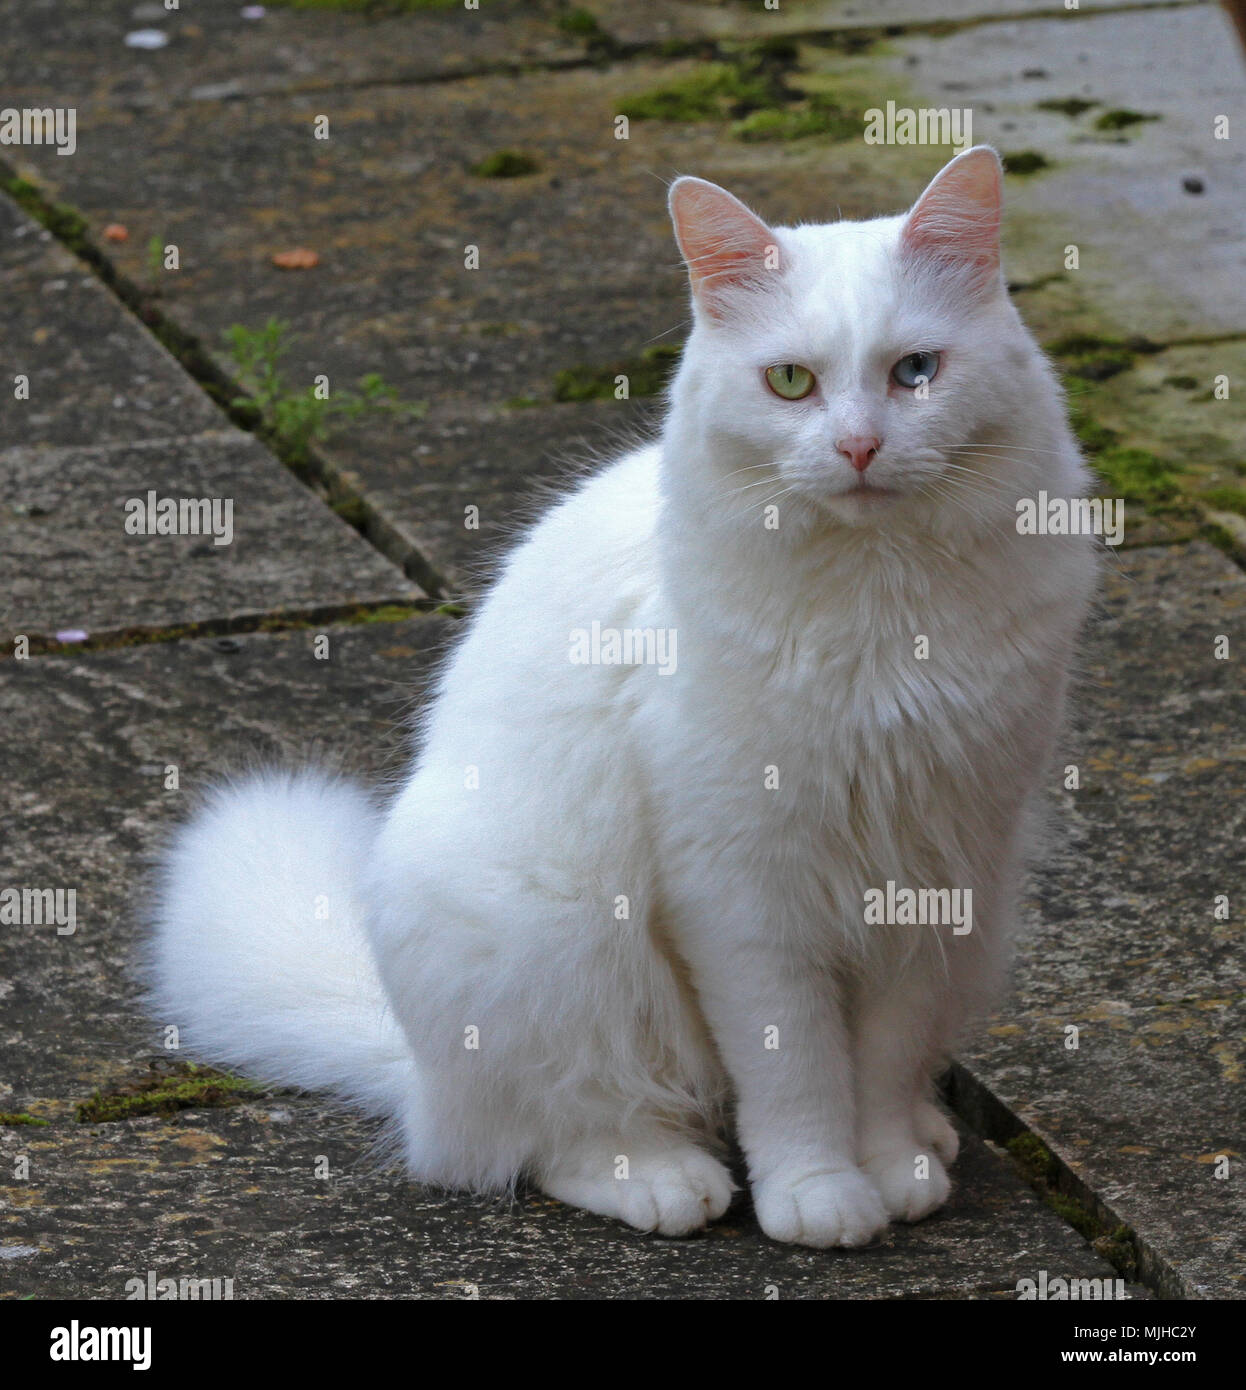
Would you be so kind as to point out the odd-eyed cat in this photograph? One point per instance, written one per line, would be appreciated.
(619, 902)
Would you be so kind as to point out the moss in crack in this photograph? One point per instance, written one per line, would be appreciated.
(713, 92)
(1023, 162)
(1067, 106)
(1042, 1170)
(1139, 476)
(65, 223)
(183, 1086)
(646, 375)
(733, 84)
(506, 164)
(1221, 538)
(20, 1117)
(1121, 119)
(1225, 499)
(817, 116)
(1093, 358)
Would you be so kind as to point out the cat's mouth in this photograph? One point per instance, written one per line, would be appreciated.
(865, 491)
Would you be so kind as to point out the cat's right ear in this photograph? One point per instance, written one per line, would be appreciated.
(954, 226)
(726, 247)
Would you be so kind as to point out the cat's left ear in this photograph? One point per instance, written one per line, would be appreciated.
(955, 223)
(726, 246)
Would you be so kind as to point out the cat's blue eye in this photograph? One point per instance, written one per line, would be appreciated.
(913, 366)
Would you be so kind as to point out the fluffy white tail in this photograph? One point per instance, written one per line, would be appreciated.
(259, 955)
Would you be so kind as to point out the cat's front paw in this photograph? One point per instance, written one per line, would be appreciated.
(912, 1184)
(934, 1131)
(820, 1209)
(670, 1189)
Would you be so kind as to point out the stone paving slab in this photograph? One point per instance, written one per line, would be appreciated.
(577, 265)
(647, 21)
(77, 48)
(74, 565)
(1126, 947)
(232, 1192)
(1155, 258)
(94, 374)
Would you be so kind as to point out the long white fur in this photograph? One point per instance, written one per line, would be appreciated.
(589, 928)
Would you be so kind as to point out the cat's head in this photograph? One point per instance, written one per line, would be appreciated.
(858, 370)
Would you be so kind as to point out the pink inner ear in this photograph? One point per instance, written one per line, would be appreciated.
(956, 220)
(723, 243)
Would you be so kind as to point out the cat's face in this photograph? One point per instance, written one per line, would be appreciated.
(854, 368)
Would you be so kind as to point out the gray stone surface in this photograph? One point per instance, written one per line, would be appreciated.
(95, 375)
(577, 264)
(1125, 945)
(63, 527)
(1155, 259)
(188, 144)
(232, 1192)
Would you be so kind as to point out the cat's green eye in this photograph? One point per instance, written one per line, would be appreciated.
(790, 380)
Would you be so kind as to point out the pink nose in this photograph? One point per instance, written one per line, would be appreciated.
(859, 450)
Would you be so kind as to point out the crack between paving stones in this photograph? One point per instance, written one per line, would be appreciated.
(320, 478)
(708, 49)
(992, 1119)
(375, 611)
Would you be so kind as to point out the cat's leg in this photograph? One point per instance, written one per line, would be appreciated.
(778, 1022)
(652, 1180)
(903, 1141)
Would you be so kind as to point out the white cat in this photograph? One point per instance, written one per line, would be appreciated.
(620, 901)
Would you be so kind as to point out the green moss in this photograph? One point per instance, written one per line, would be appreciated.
(1119, 1248)
(1225, 499)
(353, 511)
(815, 117)
(1182, 383)
(1042, 1170)
(1025, 162)
(1092, 435)
(580, 23)
(646, 375)
(506, 164)
(1083, 1221)
(1137, 475)
(522, 402)
(387, 613)
(1093, 358)
(64, 222)
(1067, 106)
(20, 1117)
(713, 92)
(450, 610)
(185, 1086)
(1039, 283)
(1221, 538)
(1121, 119)
(1033, 1157)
